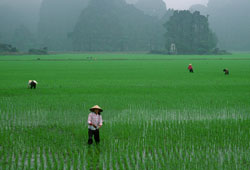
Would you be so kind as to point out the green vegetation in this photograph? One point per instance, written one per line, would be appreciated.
(7, 48)
(157, 115)
(190, 32)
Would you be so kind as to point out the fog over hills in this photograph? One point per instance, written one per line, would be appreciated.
(230, 19)
(18, 21)
(184, 4)
(57, 19)
(153, 8)
(38, 23)
(17, 12)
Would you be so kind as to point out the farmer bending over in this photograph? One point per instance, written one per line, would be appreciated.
(94, 124)
(226, 71)
(32, 84)
(190, 68)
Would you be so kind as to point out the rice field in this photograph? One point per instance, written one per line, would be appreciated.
(156, 115)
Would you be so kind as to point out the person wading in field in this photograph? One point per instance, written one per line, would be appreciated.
(32, 84)
(226, 71)
(94, 124)
(190, 68)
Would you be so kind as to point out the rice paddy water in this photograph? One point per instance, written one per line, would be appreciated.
(156, 115)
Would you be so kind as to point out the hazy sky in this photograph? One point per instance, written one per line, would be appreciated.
(183, 4)
(176, 4)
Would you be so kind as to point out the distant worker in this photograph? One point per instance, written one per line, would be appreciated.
(226, 71)
(190, 68)
(94, 124)
(32, 84)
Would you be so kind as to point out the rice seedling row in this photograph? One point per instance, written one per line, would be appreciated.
(156, 115)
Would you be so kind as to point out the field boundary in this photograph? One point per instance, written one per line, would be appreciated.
(137, 59)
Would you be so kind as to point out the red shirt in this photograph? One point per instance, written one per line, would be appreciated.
(190, 67)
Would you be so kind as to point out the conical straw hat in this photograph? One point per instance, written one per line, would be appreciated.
(95, 107)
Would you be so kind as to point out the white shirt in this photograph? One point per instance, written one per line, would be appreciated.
(94, 119)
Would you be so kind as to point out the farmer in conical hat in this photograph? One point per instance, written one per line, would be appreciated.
(94, 123)
(32, 84)
(190, 68)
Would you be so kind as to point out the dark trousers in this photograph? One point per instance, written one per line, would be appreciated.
(96, 135)
(32, 85)
(191, 70)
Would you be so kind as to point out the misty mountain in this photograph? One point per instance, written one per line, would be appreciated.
(230, 19)
(116, 24)
(131, 1)
(113, 25)
(57, 19)
(198, 7)
(150, 7)
(16, 16)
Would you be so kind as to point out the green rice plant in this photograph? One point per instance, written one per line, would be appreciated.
(81, 159)
(131, 159)
(60, 161)
(30, 158)
(48, 160)
(156, 114)
(23, 159)
(4, 162)
(141, 159)
(125, 160)
(75, 159)
(160, 158)
(136, 160)
(68, 163)
(106, 160)
(16, 162)
(55, 160)
(36, 163)
(114, 161)
(41, 156)
(100, 164)
(119, 161)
